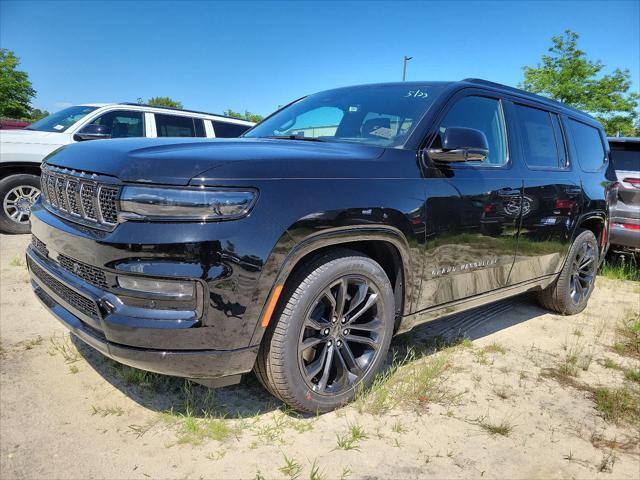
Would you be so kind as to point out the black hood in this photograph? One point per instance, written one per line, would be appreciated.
(172, 161)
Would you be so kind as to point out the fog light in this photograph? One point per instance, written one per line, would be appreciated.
(167, 288)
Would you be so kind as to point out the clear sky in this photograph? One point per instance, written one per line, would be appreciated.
(257, 55)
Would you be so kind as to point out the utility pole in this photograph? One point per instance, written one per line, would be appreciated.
(404, 67)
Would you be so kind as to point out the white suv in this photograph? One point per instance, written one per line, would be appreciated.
(22, 151)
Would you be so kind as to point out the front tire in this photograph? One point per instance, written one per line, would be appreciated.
(331, 333)
(570, 293)
(17, 194)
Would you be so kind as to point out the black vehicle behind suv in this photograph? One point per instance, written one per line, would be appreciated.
(300, 249)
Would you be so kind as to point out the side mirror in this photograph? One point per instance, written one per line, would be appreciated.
(93, 132)
(461, 145)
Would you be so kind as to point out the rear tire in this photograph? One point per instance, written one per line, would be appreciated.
(570, 293)
(310, 330)
(17, 194)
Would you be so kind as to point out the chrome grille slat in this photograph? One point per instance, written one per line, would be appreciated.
(82, 197)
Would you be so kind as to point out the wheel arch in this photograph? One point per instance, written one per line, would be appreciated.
(13, 168)
(385, 244)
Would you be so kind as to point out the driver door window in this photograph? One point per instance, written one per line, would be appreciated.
(484, 114)
(121, 124)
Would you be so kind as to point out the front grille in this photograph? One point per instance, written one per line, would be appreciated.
(77, 301)
(39, 246)
(89, 273)
(81, 197)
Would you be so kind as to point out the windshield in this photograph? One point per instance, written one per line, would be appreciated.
(60, 121)
(381, 115)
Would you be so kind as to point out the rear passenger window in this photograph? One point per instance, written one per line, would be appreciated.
(178, 126)
(199, 124)
(541, 138)
(588, 144)
(228, 130)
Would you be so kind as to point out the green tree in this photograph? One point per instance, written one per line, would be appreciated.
(16, 91)
(164, 102)
(247, 115)
(566, 74)
(36, 114)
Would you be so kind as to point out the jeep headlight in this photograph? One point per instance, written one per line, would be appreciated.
(185, 204)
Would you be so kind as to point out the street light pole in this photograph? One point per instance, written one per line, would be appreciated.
(404, 67)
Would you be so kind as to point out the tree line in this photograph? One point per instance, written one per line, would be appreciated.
(565, 73)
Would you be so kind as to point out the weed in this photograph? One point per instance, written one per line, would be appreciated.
(62, 345)
(629, 336)
(316, 473)
(608, 363)
(291, 468)
(17, 262)
(30, 344)
(218, 455)
(350, 440)
(106, 411)
(398, 427)
(633, 375)
(346, 473)
(607, 462)
(196, 431)
(503, 428)
(73, 369)
(620, 269)
(502, 392)
(494, 348)
(618, 405)
(408, 382)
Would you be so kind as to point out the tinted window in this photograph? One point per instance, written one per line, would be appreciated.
(175, 126)
(484, 114)
(60, 121)
(228, 130)
(122, 124)
(538, 137)
(383, 115)
(625, 155)
(588, 144)
(199, 124)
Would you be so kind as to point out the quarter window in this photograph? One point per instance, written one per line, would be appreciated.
(122, 124)
(178, 126)
(588, 144)
(484, 114)
(541, 137)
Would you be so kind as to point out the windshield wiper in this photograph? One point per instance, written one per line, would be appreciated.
(296, 137)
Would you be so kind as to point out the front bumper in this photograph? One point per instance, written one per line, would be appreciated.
(72, 305)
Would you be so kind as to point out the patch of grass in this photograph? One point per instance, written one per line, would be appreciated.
(315, 472)
(494, 348)
(610, 364)
(17, 262)
(628, 332)
(574, 360)
(626, 444)
(618, 405)
(30, 344)
(398, 427)
(633, 375)
(346, 473)
(621, 268)
(409, 382)
(106, 411)
(504, 428)
(195, 431)
(291, 468)
(351, 439)
(607, 462)
(73, 369)
(62, 345)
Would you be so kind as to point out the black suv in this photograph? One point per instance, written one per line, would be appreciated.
(342, 219)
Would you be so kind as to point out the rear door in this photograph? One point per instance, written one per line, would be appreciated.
(472, 209)
(551, 203)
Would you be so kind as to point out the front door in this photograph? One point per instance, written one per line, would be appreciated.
(472, 211)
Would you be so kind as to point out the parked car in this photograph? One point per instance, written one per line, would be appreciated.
(625, 214)
(23, 150)
(301, 248)
(11, 124)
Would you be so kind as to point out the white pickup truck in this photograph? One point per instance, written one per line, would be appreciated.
(22, 151)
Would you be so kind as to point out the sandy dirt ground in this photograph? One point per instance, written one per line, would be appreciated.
(516, 399)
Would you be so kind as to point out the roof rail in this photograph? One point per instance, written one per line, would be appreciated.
(134, 104)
